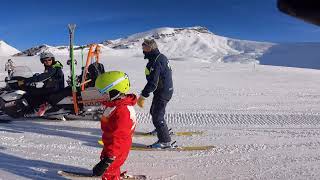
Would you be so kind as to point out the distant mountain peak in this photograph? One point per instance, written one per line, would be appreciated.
(34, 50)
(177, 43)
(193, 42)
(6, 49)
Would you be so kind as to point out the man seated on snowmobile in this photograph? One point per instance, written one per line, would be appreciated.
(53, 81)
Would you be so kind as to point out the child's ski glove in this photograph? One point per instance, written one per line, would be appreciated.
(99, 168)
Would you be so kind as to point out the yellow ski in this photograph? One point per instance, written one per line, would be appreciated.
(180, 133)
(142, 147)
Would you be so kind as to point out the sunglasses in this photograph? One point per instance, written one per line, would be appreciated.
(145, 45)
(44, 60)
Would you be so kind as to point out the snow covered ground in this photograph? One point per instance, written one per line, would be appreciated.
(263, 120)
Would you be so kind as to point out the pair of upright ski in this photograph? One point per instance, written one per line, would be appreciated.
(72, 28)
(93, 53)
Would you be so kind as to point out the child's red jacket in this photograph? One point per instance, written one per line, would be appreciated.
(117, 124)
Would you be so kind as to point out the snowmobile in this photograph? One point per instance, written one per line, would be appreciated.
(13, 101)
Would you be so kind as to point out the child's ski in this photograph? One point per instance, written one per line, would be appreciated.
(88, 174)
(77, 174)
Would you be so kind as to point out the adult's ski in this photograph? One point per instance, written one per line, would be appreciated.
(144, 147)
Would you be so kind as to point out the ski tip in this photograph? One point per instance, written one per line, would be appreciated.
(77, 174)
(100, 142)
(126, 176)
(72, 26)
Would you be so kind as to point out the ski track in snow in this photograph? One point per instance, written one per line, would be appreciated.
(254, 146)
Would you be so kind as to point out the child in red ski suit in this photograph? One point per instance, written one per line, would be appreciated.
(117, 124)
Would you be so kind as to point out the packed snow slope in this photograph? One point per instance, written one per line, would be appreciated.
(263, 120)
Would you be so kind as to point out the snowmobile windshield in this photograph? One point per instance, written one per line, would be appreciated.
(22, 71)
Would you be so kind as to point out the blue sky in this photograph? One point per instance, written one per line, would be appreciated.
(27, 23)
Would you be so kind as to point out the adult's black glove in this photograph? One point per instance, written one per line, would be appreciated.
(99, 168)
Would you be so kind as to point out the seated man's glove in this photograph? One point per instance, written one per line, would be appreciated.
(141, 101)
(20, 82)
(99, 168)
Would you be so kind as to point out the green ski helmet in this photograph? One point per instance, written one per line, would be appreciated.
(113, 83)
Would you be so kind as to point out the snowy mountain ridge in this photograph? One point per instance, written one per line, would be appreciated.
(177, 43)
(194, 42)
(200, 44)
(7, 50)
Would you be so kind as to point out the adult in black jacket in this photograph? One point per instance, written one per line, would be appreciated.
(94, 70)
(159, 76)
(53, 82)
